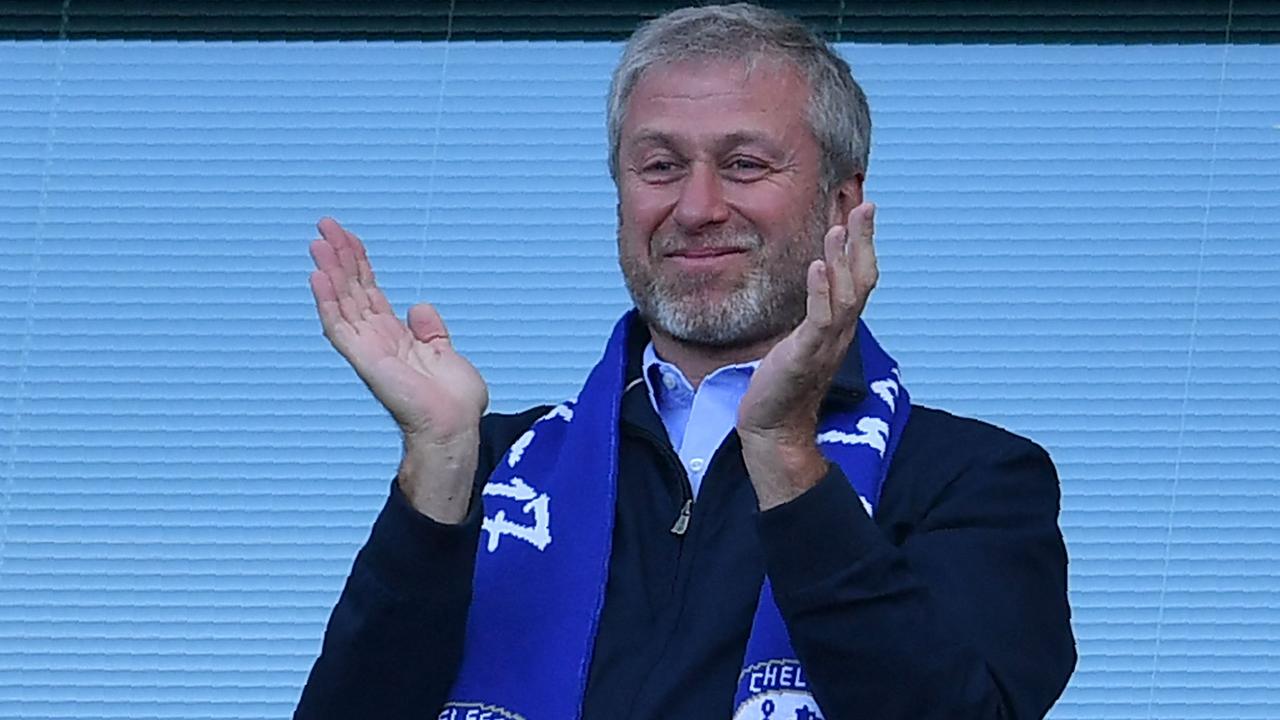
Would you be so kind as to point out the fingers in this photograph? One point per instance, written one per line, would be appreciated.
(353, 299)
(326, 259)
(839, 274)
(342, 258)
(364, 272)
(355, 260)
(861, 251)
(335, 328)
(426, 324)
(332, 234)
(327, 282)
(327, 254)
(818, 297)
(839, 284)
(851, 265)
(326, 298)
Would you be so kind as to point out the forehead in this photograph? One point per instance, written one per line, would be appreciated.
(696, 99)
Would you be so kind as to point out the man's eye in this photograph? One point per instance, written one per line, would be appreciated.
(746, 169)
(659, 170)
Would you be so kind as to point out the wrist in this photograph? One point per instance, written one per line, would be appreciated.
(436, 475)
(782, 469)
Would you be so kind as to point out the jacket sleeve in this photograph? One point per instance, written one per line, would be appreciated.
(963, 615)
(393, 645)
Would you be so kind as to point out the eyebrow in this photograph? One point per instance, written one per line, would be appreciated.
(746, 137)
(653, 137)
(732, 140)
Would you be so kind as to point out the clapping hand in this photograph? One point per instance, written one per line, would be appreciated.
(778, 416)
(434, 394)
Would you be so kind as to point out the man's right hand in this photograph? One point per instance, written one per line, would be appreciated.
(432, 392)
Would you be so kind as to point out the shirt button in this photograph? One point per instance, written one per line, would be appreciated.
(669, 380)
(696, 464)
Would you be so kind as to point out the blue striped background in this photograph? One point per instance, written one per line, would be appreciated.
(1077, 242)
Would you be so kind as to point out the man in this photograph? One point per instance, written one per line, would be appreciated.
(741, 514)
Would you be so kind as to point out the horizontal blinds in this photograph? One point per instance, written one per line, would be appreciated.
(912, 21)
(1076, 242)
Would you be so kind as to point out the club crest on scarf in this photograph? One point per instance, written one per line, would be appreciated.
(535, 507)
(476, 711)
(778, 691)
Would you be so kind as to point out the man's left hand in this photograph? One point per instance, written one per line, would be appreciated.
(778, 416)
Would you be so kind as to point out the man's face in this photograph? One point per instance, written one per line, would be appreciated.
(720, 201)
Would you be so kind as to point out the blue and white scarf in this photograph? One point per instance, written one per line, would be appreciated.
(544, 552)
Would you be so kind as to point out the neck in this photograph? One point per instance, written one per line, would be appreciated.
(698, 361)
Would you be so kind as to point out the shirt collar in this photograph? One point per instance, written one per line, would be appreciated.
(656, 371)
(848, 384)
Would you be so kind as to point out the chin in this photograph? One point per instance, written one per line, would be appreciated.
(722, 325)
(700, 310)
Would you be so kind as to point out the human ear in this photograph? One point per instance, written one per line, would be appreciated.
(847, 197)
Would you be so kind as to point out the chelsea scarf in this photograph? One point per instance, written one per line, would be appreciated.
(544, 553)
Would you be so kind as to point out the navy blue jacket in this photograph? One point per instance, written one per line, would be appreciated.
(950, 603)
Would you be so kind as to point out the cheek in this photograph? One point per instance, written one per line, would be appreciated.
(773, 201)
(633, 238)
(632, 244)
(770, 217)
(645, 207)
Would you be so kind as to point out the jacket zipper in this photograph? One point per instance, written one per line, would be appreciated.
(680, 529)
(682, 522)
(681, 525)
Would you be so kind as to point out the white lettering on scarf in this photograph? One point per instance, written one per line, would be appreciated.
(776, 690)
(536, 504)
(887, 390)
(517, 450)
(872, 431)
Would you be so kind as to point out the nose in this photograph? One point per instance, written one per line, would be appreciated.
(701, 200)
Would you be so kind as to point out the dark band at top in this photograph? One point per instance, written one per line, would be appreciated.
(898, 21)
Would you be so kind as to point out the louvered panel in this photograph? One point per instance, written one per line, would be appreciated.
(1076, 242)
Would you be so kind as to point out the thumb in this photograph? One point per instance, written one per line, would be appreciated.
(426, 324)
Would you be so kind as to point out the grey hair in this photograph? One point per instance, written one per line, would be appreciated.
(838, 114)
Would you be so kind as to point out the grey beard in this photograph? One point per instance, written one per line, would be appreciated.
(760, 309)
(769, 303)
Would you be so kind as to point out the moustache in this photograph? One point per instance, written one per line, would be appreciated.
(673, 244)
